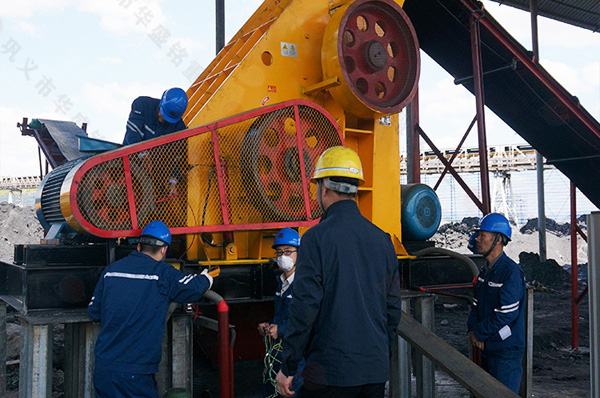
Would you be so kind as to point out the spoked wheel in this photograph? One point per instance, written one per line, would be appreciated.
(271, 161)
(377, 53)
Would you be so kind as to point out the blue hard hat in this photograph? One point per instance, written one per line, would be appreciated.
(286, 236)
(495, 222)
(157, 230)
(173, 104)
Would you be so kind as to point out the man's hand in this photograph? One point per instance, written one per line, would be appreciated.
(263, 328)
(284, 384)
(476, 342)
(273, 331)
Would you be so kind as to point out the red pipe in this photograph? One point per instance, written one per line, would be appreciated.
(225, 352)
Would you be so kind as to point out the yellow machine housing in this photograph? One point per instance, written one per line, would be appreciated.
(307, 49)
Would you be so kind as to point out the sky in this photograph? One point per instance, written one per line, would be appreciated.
(87, 60)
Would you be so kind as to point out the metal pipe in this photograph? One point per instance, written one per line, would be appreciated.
(480, 106)
(539, 159)
(413, 155)
(438, 250)
(225, 349)
(220, 24)
(574, 272)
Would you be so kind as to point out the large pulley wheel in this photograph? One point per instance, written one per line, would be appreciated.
(270, 161)
(371, 46)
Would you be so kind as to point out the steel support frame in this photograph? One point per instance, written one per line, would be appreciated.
(414, 131)
(576, 297)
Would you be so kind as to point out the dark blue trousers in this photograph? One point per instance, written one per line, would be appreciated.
(506, 369)
(111, 384)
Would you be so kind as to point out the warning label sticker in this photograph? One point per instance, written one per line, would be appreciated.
(289, 49)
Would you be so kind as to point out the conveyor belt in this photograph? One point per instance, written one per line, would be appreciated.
(526, 97)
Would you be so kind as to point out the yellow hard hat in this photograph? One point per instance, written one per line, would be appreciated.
(339, 161)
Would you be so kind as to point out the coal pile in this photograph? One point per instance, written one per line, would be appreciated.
(552, 226)
(547, 273)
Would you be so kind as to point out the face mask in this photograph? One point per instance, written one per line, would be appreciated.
(285, 263)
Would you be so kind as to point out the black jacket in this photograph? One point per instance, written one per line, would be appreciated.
(346, 302)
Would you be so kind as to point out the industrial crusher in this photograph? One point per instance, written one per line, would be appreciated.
(299, 77)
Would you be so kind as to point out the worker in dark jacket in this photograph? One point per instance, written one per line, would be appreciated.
(346, 302)
(151, 118)
(130, 302)
(496, 323)
(286, 245)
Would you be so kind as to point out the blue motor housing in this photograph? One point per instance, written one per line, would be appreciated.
(421, 212)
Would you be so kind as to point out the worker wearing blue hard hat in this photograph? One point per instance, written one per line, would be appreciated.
(130, 301)
(496, 324)
(347, 301)
(151, 117)
(286, 245)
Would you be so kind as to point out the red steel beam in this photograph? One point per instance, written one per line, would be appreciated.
(480, 105)
(532, 66)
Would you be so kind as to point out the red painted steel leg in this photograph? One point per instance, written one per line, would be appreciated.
(225, 352)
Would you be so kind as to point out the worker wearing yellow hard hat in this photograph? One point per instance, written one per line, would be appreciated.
(347, 301)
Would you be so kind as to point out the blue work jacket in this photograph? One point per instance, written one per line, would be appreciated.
(130, 301)
(346, 302)
(143, 122)
(497, 314)
(282, 307)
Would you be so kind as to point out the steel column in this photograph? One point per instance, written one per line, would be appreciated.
(413, 151)
(220, 24)
(181, 343)
(35, 370)
(2, 348)
(574, 272)
(539, 159)
(593, 222)
(480, 103)
(79, 353)
(525, 389)
(400, 369)
(424, 368)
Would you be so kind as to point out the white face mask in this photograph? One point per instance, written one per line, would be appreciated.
(285, 263)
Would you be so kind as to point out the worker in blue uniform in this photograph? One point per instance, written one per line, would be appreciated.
(150, 118)
(130, 301)
(496, 324)
(346, 302)
(286, 245)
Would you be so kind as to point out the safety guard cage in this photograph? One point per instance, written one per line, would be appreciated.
(240, 173)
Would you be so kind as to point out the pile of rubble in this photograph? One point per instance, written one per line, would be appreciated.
(18, 225)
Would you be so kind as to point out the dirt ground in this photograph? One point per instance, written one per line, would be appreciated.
(558, 371)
